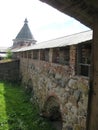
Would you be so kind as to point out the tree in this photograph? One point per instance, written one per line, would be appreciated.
(9, 54)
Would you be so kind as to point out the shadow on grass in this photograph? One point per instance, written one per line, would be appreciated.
(20, 113)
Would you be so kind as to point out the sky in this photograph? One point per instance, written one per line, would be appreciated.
(44, 21)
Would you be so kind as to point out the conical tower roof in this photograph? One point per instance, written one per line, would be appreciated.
(24, 37)
(25, 33)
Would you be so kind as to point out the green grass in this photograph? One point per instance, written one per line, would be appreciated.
(16, 111)
(5, 60)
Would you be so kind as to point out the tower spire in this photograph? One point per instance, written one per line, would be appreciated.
(26, 21)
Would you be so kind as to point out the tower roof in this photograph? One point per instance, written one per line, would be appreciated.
(25, 33)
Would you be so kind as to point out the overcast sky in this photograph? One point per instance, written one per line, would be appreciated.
(44, 21)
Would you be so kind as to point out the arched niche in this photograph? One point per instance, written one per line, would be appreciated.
(51, 111)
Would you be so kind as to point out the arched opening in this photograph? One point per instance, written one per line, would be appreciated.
(52, 112)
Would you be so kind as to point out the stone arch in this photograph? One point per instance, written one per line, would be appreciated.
(51, 110)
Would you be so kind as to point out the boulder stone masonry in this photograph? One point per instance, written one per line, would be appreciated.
(54, 80)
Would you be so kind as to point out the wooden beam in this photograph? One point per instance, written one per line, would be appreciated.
(93, 98)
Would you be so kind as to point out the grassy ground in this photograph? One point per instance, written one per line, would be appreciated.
(16, 112)
(5, 60)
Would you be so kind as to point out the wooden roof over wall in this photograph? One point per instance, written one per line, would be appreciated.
(83, 10)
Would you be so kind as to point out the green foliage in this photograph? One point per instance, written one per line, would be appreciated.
(16, 111)
(9, 54)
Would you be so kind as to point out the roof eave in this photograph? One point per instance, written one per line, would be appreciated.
(82, 10)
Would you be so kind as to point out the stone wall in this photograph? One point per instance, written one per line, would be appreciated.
(9, 71)
(68, 92)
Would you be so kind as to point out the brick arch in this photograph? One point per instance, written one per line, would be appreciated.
(51, 108)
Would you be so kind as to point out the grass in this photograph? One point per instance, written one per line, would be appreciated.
(5, 60)
(16, 111)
